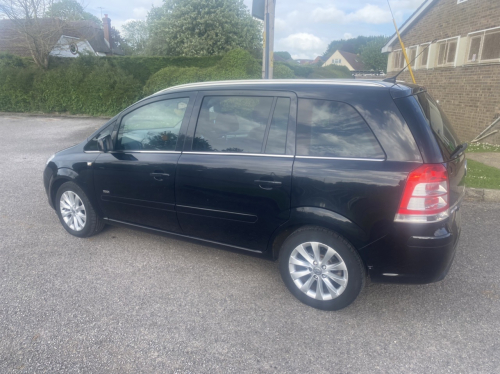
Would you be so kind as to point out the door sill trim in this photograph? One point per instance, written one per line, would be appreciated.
(180, 235)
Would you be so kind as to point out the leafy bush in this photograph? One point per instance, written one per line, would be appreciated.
(16, 84)
(282, 71)
(237, 64)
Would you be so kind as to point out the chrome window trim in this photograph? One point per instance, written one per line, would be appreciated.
(91, 151)
(124, 151)
(238, 154)
(341, 158)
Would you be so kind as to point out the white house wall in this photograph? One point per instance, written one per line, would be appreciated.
(62, 47)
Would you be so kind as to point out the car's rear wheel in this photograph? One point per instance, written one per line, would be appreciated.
(321, 268)
(76, 213)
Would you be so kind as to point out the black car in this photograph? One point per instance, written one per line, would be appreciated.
(336, 179)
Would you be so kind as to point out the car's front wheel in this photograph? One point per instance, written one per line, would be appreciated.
(76, 213)
(321, 268)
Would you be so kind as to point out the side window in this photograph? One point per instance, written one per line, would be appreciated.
(333, 129)
(153, 126)
(276, 141)
(92, 144)
(232, 124)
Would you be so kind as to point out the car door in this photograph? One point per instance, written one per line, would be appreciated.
(135, 181)
(233, 179)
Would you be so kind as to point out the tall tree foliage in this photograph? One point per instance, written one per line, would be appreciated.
(353, 45)
(202, 28)
(136, 35)
(372, 56)
(70, 10)
(30, 29)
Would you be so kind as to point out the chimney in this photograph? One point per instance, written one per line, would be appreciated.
(106, 23)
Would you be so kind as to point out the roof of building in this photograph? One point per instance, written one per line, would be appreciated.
(407, 24)
(12, 41)
(354, 60)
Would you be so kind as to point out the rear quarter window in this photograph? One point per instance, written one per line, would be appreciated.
(334, 129)
(440, 124)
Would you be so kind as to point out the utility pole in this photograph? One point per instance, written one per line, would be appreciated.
(265, 10)
(268, 57)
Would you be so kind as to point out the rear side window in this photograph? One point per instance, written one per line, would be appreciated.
(333, 129)
(439, 123)
(232, 124)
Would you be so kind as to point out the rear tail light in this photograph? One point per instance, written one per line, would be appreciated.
(426, 195)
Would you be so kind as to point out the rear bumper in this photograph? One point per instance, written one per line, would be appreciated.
(414, 253)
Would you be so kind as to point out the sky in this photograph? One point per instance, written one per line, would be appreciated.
(302, 27)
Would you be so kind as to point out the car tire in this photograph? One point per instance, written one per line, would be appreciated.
(321, 268)
(76, 213)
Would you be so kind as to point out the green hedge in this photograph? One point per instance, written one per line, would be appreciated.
(87, 85)
(106, 85)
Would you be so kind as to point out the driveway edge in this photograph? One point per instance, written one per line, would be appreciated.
(482, 194)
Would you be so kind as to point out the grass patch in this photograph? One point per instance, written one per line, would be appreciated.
(483, 147)
(482, 176)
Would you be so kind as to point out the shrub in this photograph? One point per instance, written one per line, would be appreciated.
(171, 76)
(282, 71)
(237, 64)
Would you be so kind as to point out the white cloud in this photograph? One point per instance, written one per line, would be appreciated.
(303, 44)
(372, 14)
(141, 12)
(348, 35)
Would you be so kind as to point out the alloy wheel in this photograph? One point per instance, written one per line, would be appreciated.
(318, 271)
(73, 210)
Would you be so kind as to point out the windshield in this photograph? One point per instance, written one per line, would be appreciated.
(439, 123)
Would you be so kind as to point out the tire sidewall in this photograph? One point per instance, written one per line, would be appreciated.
(355, 269)
(89, 211)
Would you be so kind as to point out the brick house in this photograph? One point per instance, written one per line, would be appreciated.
(66, 38)
(349, 60)
(461, 67)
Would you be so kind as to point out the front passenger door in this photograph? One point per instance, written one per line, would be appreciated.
(136, 180)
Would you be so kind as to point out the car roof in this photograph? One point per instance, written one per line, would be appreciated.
(398, 89)
(275, 83)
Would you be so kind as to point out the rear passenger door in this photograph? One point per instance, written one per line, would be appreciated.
(233, 179)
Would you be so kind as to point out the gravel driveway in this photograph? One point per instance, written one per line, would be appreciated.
(131, 302)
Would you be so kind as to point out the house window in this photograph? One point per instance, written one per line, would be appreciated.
(475, 45)
(484, 46)
(412, 53)
(337, 61)
(73, 48)
(398, 60)
(424, 55)
(447, 51)
(491, 47)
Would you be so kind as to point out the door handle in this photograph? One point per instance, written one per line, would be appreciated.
(267, 185)
(157, 175)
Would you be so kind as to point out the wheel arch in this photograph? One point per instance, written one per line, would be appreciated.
(317, 217)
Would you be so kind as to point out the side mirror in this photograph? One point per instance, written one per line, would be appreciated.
(104, 143)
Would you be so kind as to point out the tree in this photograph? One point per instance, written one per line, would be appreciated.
(70, 10)
(136, 35)
(202, 28)
(353, 45)
(29, 29)
(372, 56)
